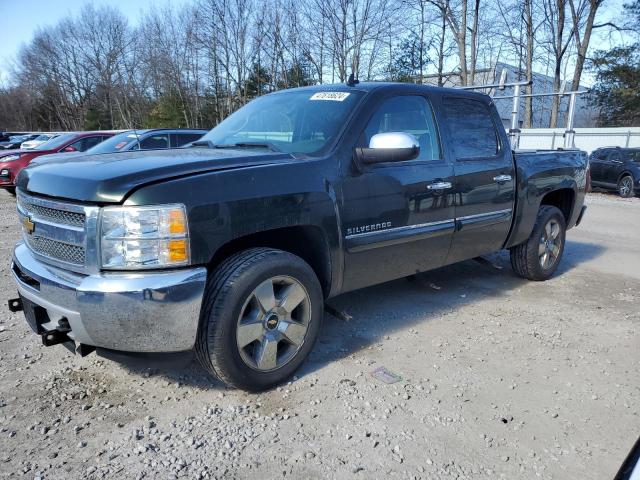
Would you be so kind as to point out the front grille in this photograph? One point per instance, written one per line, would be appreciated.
(61, 233)
(61, 251)
(53, 215)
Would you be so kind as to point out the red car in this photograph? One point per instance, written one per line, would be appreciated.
(12, 161)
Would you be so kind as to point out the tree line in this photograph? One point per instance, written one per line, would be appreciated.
(191, 66)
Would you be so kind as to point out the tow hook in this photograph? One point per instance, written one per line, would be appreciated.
(55, 337)
(15, 305)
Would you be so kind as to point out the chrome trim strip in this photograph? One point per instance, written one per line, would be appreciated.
(398, 229)
(394, 236)
(487, 214)
(483, 219)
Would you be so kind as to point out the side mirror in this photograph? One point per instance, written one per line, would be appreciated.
(389, 147)
(69, 149)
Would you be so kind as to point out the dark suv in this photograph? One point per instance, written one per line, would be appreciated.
(149, 139)
(616, 168)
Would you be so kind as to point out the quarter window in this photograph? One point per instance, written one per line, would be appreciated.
(471, 127)
(408, 114)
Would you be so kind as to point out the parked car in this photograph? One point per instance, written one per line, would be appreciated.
(616, 168)
(232, 246)
(12, 162)
(149, 139)
(16, 140)
(39, 140)
(146, 139)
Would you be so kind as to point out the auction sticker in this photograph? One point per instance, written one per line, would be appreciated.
(332, 96)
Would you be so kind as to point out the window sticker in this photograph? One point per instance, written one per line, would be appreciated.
(331, 96)
(120, 145)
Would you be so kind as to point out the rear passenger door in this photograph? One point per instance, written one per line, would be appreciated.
(484, 177)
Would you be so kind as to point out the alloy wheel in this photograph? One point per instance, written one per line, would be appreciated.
(273, 323)
(550, 243)
(626, 184)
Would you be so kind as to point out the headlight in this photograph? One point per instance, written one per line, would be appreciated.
(10, 158)
(144, 237)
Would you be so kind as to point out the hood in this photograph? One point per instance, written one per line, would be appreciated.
(109, 177)
(6, 153)
(51, 157)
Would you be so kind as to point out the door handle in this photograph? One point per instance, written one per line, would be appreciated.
(439, 186)
(502, 178)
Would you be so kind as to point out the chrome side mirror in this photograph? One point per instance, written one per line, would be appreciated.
(389, 147)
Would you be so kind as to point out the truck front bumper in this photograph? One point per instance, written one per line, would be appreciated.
(132, 312)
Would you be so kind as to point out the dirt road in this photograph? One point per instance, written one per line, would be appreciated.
(501, 378)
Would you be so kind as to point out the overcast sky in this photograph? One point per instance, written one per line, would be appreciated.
(20, 18)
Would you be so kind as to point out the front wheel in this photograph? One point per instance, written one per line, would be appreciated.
(538, 257)
(625, 186)
(261, 316)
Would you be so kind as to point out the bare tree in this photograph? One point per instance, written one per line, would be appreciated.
(557, 42)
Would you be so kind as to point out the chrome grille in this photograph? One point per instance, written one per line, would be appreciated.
(59, 232)
(64, 252)
(52, 215)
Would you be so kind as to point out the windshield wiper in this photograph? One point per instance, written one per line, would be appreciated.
(203, 143)
(208, 143)
(267, 145)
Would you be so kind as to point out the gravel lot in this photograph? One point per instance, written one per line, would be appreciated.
(501, 378)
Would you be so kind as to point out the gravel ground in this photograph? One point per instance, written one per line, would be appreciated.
(501, 378)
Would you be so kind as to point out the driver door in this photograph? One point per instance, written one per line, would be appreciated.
(397, 216)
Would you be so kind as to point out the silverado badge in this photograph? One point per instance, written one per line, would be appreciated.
(28, 225)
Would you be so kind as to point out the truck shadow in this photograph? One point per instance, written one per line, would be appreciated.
(376, 313)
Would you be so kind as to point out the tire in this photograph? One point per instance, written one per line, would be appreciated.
(11, 190)
(625, 186)
(528, 259)
(236, 308)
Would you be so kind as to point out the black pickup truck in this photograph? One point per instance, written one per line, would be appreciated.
(231, 247)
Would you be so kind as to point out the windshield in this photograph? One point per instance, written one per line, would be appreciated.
(117, 143)
(56, 142)
(293, 122)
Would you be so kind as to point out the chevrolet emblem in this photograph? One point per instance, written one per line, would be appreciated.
(28, 225)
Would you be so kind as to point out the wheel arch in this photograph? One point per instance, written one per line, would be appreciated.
(306, 241)
(563, 199)
(626, 173)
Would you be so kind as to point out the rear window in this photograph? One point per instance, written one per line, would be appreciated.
(634, 156)
(471, 128)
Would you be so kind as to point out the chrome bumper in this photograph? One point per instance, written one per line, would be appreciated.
(133, 312)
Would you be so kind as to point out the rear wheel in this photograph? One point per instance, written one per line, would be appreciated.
(625, 186)
(261, 316)
(539, 256)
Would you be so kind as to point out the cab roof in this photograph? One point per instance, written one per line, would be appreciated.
(368, 87)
